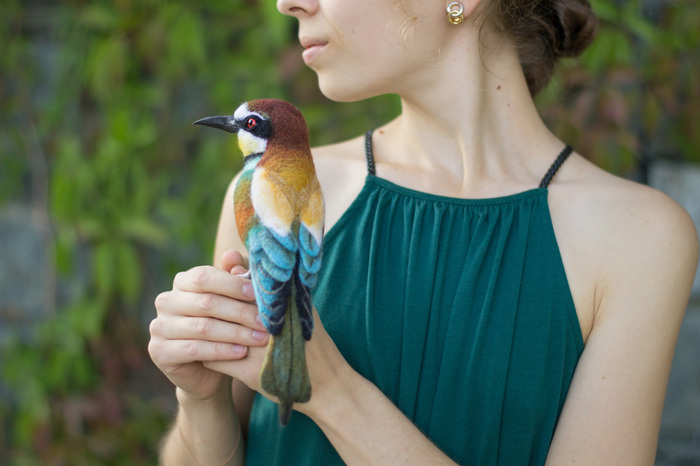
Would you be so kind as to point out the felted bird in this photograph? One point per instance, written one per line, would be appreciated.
(280, 212)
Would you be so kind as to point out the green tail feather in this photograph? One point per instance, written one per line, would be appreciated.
(284, 372)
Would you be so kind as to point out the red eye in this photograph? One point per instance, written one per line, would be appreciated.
(251, 123)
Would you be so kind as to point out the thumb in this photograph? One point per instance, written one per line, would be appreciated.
(232, 259)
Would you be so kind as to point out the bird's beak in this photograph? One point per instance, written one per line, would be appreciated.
(227, 123)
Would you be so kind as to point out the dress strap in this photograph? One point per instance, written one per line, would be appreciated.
(369, 153)
(555, 166)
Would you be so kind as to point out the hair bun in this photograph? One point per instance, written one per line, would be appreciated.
(578, 26)
(543, 31)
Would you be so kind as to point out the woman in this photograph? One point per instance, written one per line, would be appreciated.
(466, 314)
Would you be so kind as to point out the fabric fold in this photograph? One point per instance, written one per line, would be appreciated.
(458, 310)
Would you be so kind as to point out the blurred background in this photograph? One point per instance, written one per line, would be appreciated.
(106, 190)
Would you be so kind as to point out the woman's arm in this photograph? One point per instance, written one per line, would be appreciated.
(363, 425)
(205, 432)
(207, 316)
(204, 318)
(648, 257)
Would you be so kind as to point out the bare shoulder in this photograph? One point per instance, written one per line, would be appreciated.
(341, 169)
(632, 217)
(616, 234)
(652, 242)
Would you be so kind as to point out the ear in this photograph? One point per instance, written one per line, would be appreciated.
(471, 5)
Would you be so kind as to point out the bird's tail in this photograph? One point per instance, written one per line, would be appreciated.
(284, 373)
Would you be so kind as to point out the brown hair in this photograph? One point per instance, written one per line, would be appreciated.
(543, 31)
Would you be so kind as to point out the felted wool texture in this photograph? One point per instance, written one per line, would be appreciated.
(279, 215)
(288, 123)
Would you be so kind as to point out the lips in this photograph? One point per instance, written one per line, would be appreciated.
(312, 48)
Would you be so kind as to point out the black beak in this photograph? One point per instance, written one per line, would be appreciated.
(227, 123)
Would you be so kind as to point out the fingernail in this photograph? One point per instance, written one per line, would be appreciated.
(239, 349)
(258, 335)
(258, 319)
(247, 289)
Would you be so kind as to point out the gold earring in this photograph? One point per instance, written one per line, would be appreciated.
(455, 13)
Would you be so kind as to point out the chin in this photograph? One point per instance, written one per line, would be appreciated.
(345, 90)
(342, 94)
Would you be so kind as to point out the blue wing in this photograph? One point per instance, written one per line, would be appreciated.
(284, 269)
(309, 263)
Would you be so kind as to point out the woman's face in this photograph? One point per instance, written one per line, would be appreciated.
(358, 48)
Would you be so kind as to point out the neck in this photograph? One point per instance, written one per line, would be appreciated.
(473, 125)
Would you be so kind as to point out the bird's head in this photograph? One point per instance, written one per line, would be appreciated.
(259, 123)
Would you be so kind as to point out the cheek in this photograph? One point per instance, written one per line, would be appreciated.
(381, 52)
(250, 144)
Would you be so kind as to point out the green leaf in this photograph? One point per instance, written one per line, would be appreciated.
(606, 9)
(104, 266)
(64, 251)
(275, 27)
(98, 16)
(129, 272)
(637, 25)
(186, 44)
(86, 318)
(144, 230)
(107, 67)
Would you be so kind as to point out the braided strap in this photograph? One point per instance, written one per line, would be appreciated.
(369, 153)
(555, 166)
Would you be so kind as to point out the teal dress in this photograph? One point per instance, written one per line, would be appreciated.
(459, 310)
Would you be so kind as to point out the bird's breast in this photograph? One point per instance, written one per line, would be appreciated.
(283, 188)
(292, 171)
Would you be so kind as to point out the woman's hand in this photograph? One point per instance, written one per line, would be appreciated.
(207, 316)
(328, 370)
(207, 329)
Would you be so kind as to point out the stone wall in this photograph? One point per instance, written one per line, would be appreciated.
(27, 284)
(679, 442)
(681, 181)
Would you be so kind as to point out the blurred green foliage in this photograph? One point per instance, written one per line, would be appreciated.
(635, 95)
(96, 104)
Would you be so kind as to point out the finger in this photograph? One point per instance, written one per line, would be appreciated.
(173, 353)
(199, 350)
(180, 303)
(237, 264)
(207, 279)
(209, 329)
(231, 258)
(238, 369)
(247, 369)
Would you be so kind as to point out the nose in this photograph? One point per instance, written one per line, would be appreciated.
(297, 8)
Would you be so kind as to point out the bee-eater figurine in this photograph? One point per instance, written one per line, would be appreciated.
(279, 215)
